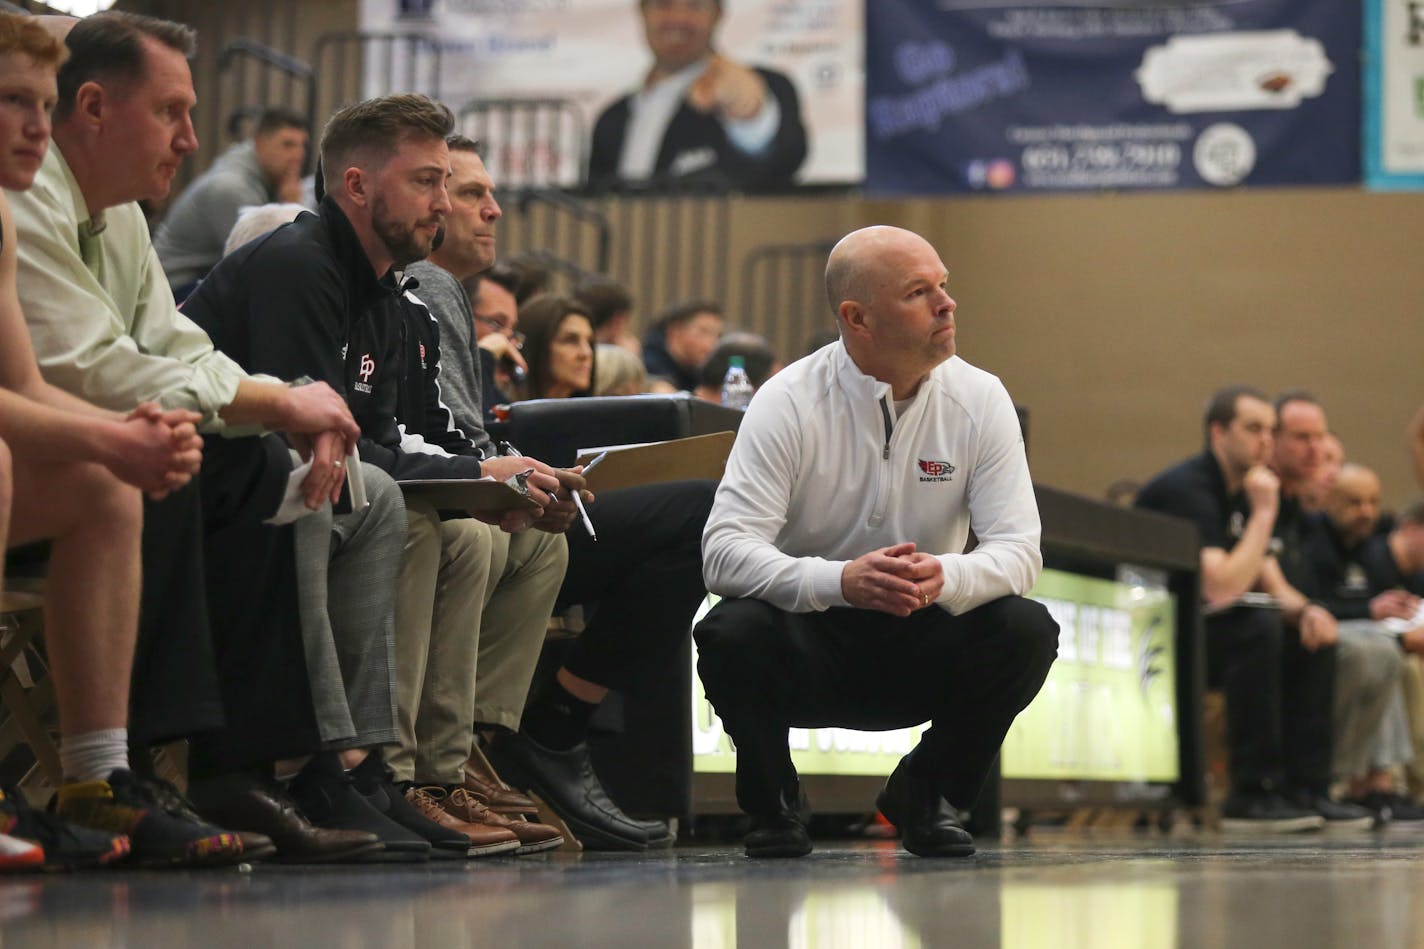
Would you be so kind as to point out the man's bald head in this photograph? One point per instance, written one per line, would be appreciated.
(889, 291)
(858, 260)
(1353, 502)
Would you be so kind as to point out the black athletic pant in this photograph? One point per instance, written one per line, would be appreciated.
(227, 616)
(1279, 699)
(174, 689)
(644, 577)
(765, 670)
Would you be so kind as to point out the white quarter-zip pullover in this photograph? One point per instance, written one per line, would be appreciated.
(824, 471)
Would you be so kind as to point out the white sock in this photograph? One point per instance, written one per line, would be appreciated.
(93, 756)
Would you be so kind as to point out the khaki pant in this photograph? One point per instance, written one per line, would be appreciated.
(1414, 705)
(1367, 682)
(471, 614)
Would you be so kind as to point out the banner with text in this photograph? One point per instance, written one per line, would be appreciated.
(1394, 94)
(586, 54)
(1106, 713)
(1003, 95)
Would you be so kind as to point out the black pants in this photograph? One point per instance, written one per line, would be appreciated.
(644, 577)
(174, 691)
(1279, 698)
(220, 656)
(765, 670)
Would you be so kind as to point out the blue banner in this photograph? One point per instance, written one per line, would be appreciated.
(990, 95)
(1394, 94)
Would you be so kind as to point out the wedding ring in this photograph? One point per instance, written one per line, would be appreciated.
(926, 598)
(338, 463)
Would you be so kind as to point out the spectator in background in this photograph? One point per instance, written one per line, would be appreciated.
(1317, 487)
(559, 348)
(499, 343)
(1371, 727)
(610, 307)
(254, 222)
(1396, 561)
(266, 168)
(757, 358)
(617, 371)
(699, 115)
(681, 341)
(1298, 443)
(1276, 666)
(525, 275)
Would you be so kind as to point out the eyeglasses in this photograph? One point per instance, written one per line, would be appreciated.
(503, 328)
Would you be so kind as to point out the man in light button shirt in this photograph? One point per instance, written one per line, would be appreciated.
(105, 328)
(699, 115)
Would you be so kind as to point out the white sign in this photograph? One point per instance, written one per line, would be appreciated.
(592, 52)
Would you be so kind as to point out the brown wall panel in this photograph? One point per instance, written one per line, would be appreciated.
(1109, 316)
(1112, 316)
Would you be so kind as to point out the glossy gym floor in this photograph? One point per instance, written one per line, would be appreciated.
(1143, 892)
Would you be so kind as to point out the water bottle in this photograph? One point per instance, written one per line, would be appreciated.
(737, 389)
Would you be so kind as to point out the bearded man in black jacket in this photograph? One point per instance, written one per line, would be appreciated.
(321, 297)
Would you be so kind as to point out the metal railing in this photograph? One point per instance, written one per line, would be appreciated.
(671, 245)
(666, 247)
(353, 65)
(783, 293)
(295, 76)
(527, 143)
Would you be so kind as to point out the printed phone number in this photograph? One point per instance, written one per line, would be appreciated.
(1115, 156)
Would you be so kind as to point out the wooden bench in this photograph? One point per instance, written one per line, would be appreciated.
(26, 690)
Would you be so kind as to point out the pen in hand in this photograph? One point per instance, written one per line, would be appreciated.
(508, 449)
(578, 501)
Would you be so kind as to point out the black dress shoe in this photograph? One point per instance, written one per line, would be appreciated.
(376, 783)
(781, 833)
(660, 835)
(328, 797)
(248, 803)
(566, 782)
(928, 826)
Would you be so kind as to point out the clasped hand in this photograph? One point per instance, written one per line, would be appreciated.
(897, 580)
(160, 450)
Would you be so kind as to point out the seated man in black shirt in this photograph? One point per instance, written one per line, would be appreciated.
(1396, 561)
(1276, 665)
(1371, 727)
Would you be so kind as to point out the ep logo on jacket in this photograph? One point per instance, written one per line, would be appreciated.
(367, 370)
(936, 470)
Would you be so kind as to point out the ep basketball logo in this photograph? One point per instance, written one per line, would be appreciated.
(936, 470)
(368, 369)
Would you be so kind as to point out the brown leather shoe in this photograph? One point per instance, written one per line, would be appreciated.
(486, 840)
(533, 838)
(482, 780)
(250, 803)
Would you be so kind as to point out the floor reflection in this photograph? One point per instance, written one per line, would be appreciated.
(1145, 894)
